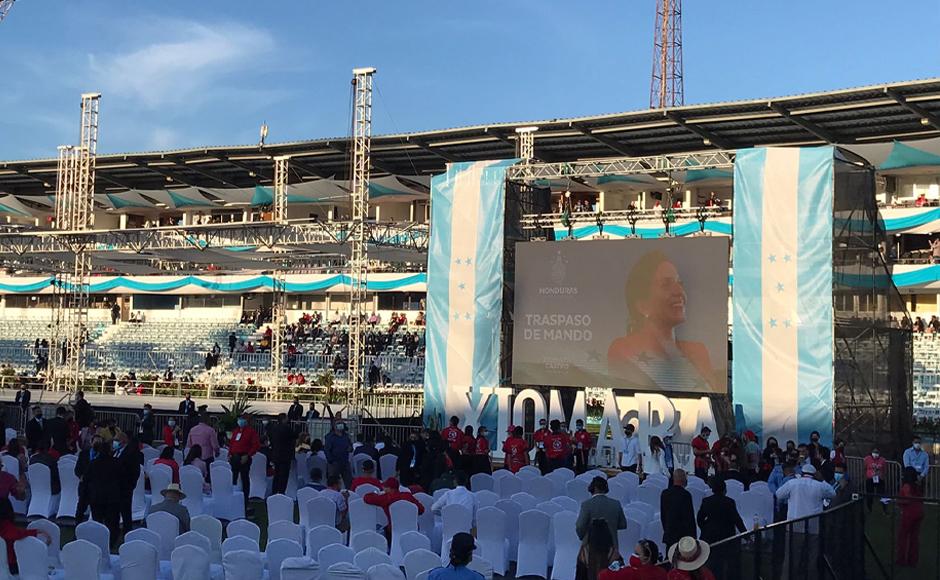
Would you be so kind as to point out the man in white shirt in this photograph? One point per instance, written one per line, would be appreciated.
(630, 452)
(460, 495)
(340, 499)
(804, 496)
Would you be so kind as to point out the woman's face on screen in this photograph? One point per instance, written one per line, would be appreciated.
(666, 302)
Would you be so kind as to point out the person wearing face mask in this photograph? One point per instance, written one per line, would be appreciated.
(147, 424)
(630, 452)
(244, 443)
(641, 565)
(538, 439)
(129, 458)
(171, 434)
(482, 455)
(582, 447)
(35, 428)
(918, 459)
(337, 445)
(874, 478)
(837, 455)
(718, 519)
(771, 458)
(817, 452)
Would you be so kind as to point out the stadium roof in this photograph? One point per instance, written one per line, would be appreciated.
(879, 113)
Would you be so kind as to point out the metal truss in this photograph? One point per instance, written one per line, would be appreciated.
(280, 189)
(653, 164)
(620, 217)
(278, 322)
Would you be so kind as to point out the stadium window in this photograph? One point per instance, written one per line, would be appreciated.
(155, 302)
(401, 300)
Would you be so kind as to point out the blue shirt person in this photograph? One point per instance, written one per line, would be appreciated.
(461, 552)
(917, 458)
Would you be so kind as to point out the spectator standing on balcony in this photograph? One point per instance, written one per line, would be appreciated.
(296, 410)
(115, 312)
(702, 451)
(242, 447)
(935, 250)
(283, 437)
(875, 466)
(147, 425)
(918, 459)
(337, 445)
(911, 503)
(232, 341)
(205, 437)
(23, 396)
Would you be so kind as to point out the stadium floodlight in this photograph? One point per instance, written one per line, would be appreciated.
(5, 6)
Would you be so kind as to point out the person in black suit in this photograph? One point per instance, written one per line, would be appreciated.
(85, 457)
(43, 457)
(102, 486)
(23, 396)
(147, 424)
(129, 460)
(676, 511)
(296, 410)
(84, 414)
(718, 519)
(187, 406)
(57, 431)
(35, 428)
(282, 452)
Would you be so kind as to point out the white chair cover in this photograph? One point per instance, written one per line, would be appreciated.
(526, 501)
(357, 461)
(80, 561)
(542, 489)
(482, 566)
(239, 543)
(99, 535)
(41, 503)
(320, 537)
(279, 550)
(756, 505)
(654, 531)
(649, 494)
(144, 535)
(365, 488)
(577, 489)
(404, 516)
(508, 485)
(735, 488)
(150, 454)
(12, 466)
(192, 538)
(304, 495)
(242, 565)
(223, 455)
(190, 563)
(9, 433)
(4, 567)
(411, 541)
(31, 555)
(424, 575)
(697, 497)
(56, 539)
(280, 508)
(245, 528)
(567, 545)
(481, 481)
(321, 511)
(211, 528)
(529, 471)
(334, 553)
(303, 568)
(161, 476)
(384, 572)
(191, 482)
(418, 561)
(344, 571)
(286, 531)
(455, 518)
(139, 499)
(227, 504)
(370, 557)
(646, 509)
(362, 517)
(302, 465)
(629, 537)
(388, 465)
(549, 507)
(68, 498)
(567, 503)
(363, 540)
(492, 538)
(534, 542)
(486, 498)
(168, 527)
(138, 560)
(512, 511)
(258, 476)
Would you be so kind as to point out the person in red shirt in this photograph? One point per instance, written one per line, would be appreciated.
(516, 450)
(539, 439)
(241, 448)
(468, 447)
(453, 437)
(166, 458)
(390, 495)
(482, 452)
(702, 452)
(557, 447)
(11, 533)
(642, 565)
(582, 443)
(171, 434)
(368, 476)
(688, 557)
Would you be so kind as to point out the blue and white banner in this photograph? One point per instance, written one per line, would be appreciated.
(782, 376)
(465, 290)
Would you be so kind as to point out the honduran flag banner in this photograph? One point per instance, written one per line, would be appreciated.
(465, 289)
(782, 375)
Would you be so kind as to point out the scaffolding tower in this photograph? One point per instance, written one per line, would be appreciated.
(667, 87)
(279, 279)
(359, 258)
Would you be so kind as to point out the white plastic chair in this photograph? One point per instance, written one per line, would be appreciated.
(384, 572)
(168, 527)
(322, 536)
(190, 563)
(512, 511)
(280, 508)
(211, 528)
(411, 541)
(567, 503)
(455, 518)
(285, 531)
(567, 545)
(426, 520)
(68, 498)
(344, 571)
(362, 517)
(243, 565)
(80, 561)
(481, 481)
(333, 554)
(630, 536)
(139, 504)
(649, 495)
(138, 560)
(363, 540)
(191, 482)
(161, 476)
(370, 557)
(541, 488)
(357, 461)
(577, 489)
(534, 542)
(227, 504)
(31, 555)
(321, 511)
(258, 476)
(388, 465)
(304, 495)
(55, 536)
(486, 498)
(404, 516)
(483, 566)
(245, 528)
(42, 503)
(99, 535)
(507, 486)
(526, 501)
(420, 561)
(279, 550)
(303, 568)
(492, 538)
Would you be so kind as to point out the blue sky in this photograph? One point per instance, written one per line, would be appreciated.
(184, 73)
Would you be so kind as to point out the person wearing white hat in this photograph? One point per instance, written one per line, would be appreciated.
(688, 557)
(804, 496)
(172, 496)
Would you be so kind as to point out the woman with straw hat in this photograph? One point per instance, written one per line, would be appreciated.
(688, 557)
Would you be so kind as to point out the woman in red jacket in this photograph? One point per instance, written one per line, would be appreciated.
(911, 503)
(10, 532)
(166, 458)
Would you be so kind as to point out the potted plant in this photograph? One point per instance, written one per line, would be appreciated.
(230, 414)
